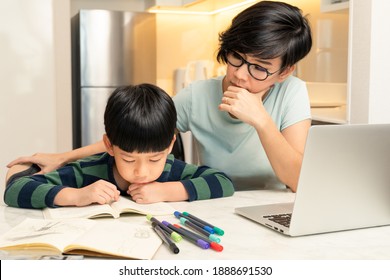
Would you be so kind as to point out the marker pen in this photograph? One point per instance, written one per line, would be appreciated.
(205, 227)
(216, 229)
(188, 223)
(200, 242)
(165, 238)
(213, 245)
(174, 235)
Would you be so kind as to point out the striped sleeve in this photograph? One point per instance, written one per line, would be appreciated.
(201, 182)
(39, 191)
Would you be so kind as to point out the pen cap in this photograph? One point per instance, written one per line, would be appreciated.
(203, 244)
(215, 246)
(148, 217)
(177, 214)
(175, 236)
(218, 231)
(183, 220)
(214, 238)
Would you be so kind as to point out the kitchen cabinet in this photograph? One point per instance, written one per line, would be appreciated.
(367, 93)
(369, 57)
(334, 6)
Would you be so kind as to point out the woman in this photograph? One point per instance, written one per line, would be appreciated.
(252, 123)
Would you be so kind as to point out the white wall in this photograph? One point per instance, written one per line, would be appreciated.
(35, 78)
(369, 60)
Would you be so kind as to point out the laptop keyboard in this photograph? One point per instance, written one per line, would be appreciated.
(282, 219)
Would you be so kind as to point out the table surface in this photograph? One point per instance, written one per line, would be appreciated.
(247, 240)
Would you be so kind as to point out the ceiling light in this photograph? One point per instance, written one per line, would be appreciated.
(191, 12)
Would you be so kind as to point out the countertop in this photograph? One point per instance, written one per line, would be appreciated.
(336, 115)
(246, 240)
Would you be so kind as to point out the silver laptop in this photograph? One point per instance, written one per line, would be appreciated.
(344, 183)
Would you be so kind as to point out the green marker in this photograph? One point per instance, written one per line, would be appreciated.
(216, 229)
(173, 234)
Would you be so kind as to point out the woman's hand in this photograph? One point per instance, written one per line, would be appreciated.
(242, 104)
(47, 162)
(50, 162)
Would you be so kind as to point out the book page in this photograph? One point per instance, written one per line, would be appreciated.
(125, 205)
(70, 212)
(38, 234)
(119, 239)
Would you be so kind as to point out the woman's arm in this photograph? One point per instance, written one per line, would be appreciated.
(50, 162)
(285, 149)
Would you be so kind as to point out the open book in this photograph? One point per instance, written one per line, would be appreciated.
(101, 238)
(115, 209)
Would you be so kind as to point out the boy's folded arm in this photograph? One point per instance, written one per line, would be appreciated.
(209, 184)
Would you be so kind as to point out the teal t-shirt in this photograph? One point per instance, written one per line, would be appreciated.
(231, 145)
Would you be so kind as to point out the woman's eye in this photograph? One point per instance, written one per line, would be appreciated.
(259, 68)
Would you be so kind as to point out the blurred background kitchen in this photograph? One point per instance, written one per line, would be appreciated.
(42, 76)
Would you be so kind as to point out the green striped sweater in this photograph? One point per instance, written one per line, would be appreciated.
(39, 191)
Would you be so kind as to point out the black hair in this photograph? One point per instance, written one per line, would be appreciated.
(140, 118)
(268, 30)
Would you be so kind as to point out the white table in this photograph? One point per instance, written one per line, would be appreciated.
(246, 240)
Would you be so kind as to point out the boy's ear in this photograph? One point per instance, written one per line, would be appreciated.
(286, 72)
(108, 145)
(171, 145)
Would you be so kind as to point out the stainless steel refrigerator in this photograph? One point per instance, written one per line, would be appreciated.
(110, 49)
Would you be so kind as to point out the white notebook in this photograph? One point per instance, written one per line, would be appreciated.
(123, 206)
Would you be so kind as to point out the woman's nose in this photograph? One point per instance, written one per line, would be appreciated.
(242, 72)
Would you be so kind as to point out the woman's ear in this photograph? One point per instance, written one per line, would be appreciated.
(171, 145)
(108, 145)
(286, 72)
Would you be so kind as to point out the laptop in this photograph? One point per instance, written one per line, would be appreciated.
(344, 183)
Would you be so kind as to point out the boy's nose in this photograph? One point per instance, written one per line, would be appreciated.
(141, 170)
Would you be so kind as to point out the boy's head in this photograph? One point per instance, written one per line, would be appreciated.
(140, 118)
(268, 30)
(140, 123)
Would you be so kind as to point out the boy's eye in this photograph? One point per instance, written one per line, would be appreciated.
(155, 159)
(129, 160)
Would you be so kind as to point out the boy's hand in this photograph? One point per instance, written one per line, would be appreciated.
(147, 193)
(156, 192)
(101, 192)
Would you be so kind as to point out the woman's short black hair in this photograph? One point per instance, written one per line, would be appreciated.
(140, 118)
(268, 30)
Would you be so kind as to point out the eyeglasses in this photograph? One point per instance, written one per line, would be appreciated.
(256, 71)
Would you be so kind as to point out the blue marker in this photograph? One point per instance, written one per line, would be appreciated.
(199, 242)
(192, 217)
(188, 223)
(205, 227)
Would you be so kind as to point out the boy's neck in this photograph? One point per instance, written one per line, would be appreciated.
(121, 183)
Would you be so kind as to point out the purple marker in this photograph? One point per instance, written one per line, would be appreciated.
(199, 242)
(199, 224)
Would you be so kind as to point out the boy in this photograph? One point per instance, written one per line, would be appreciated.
(140, 124)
